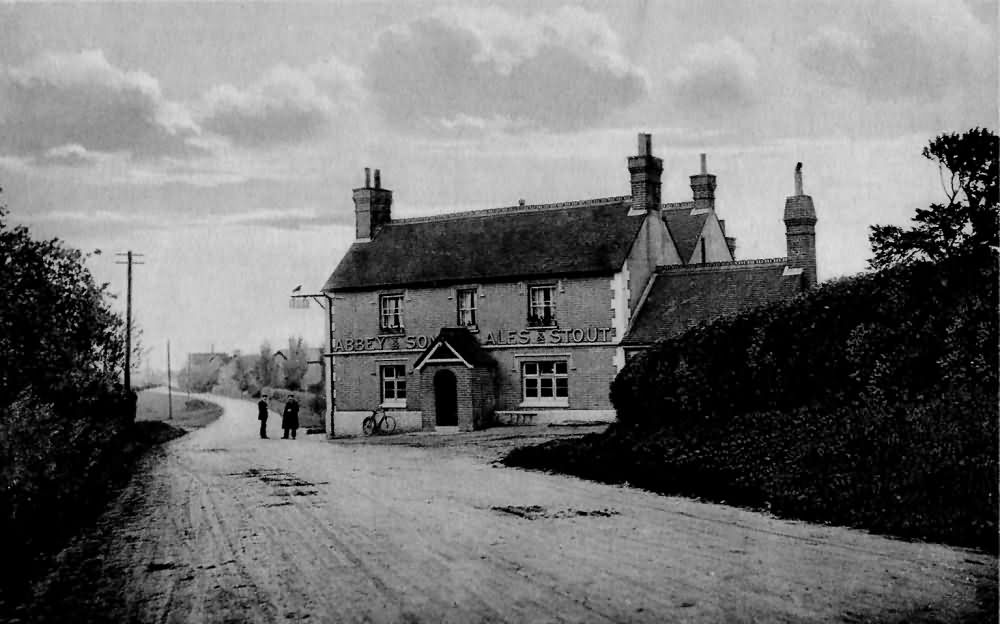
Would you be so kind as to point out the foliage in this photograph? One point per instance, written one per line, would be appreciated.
(62, 411)
(236, 377)
(55, 464)
(869, 402)
(924, 470)
(265, 368)
(887, 337)
(200, 376)
(296, 364)
(57, 332)
(968, 167)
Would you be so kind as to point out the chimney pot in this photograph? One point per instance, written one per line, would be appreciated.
(520, 202)
(378, 179)
(645, 144)
(368, 177)
(645, 171)
(798, 179)
(704, 164)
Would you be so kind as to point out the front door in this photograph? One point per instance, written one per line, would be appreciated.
(445, 399)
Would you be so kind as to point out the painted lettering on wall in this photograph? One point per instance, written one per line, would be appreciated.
(382, 343)
(499, 337)
(576, 335)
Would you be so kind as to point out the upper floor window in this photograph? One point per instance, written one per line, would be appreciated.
(466, 307)
(542, 306)
(390, 312)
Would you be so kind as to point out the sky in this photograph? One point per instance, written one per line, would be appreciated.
(222, 140)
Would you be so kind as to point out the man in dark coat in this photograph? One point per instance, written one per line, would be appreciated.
(290, 417)
(262, 416)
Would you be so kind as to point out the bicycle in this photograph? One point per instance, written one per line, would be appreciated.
(379, 422)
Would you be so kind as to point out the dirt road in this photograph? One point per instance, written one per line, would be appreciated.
(220, 526)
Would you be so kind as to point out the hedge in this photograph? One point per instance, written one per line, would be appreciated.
(56, 466)
(869, 402)
(925, 470)
(886, 337)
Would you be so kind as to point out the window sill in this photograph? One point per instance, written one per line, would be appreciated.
(530, 326)
(394, 404)
(400, 331)
(473, 329)
(544, 403)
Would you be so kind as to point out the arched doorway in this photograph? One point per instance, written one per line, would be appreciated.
(445, 399)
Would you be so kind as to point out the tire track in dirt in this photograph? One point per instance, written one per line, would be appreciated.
(224, 527)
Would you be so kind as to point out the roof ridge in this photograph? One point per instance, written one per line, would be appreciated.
(489, 212)
(708, 266)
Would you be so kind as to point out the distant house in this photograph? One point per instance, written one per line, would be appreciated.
(530, 310)
(208, 359)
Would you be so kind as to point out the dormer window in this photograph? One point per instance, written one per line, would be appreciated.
(391, 313)
(542, 306)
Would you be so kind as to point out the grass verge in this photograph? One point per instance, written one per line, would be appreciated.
(186, 413)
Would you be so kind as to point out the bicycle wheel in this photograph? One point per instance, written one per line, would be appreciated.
(389, 424)
(368, 425)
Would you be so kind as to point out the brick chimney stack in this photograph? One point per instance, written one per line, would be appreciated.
(372, 207)
(645, 170)
(703, 188)
(800, 231)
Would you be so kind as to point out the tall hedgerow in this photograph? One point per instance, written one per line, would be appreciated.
(62, 412)
(881, 338)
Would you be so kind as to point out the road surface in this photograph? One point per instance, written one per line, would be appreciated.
(221, 526)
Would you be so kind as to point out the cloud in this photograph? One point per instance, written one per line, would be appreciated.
(82, 100)
(287, 105)
(714, 79)
(921, 48)
(73, 155)
(488, 69)
(289, 219)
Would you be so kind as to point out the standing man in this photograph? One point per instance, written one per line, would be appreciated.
(290, 417)
(262, 416)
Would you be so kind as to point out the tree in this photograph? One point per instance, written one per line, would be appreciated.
(265, 368)
(58, 334)
(967, 164)
(296, 363)
(199, 377)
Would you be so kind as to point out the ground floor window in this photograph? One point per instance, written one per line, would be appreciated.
(545, 382)
(393, 378)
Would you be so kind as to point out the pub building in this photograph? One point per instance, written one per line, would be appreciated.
(527, 313)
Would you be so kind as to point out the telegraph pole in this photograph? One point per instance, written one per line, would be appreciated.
(170, 396)
(128, 317)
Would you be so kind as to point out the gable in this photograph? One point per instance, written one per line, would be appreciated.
(455, 345)
(685, 225)
(716, 248)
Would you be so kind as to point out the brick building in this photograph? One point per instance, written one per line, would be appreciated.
(529, 311)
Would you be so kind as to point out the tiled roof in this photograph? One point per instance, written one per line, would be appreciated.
(575, 238)
(685, 225)
(684, 296)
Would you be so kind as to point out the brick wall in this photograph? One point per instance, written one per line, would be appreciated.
(580, 303)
